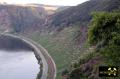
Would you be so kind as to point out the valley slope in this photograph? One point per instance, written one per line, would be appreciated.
(63, 33)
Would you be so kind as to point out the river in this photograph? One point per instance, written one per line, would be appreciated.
(18, 65)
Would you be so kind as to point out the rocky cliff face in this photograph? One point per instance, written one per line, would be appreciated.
(35, 17)
(21, 18)
(5, 22)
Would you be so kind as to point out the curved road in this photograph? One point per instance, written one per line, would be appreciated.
(49, 67)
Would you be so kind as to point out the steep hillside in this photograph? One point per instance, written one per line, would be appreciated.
(67, 28)
(34, 17)
(67, 45)
(104, 35)
(20, 18)
(25, 18)
(82, 12)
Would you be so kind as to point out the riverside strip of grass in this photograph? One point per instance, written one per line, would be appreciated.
(60, 46)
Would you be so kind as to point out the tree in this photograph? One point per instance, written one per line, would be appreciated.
(104, 27)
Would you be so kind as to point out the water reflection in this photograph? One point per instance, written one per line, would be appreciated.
(18, 65)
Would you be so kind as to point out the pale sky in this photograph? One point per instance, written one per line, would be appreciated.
(50, 2)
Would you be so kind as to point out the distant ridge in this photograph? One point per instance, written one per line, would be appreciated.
(82, 12)
(36, 17)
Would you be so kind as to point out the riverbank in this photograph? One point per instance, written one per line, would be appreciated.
(48, 67)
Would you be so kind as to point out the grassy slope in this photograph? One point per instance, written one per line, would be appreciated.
(102, 54)
(61, 47)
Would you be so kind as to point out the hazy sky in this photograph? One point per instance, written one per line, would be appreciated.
(51, 2)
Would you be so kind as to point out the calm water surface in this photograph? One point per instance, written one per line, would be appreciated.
(18, 65)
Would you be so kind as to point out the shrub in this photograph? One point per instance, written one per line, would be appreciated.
(104, 27)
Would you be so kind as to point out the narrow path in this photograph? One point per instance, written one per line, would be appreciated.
(49, 67)
(50, 62)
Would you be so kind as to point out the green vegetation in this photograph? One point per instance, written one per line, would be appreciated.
(104, 35)
(64, 45)
(105, 27)
(60, 46)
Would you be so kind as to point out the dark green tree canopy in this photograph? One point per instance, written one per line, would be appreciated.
(104, 27)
